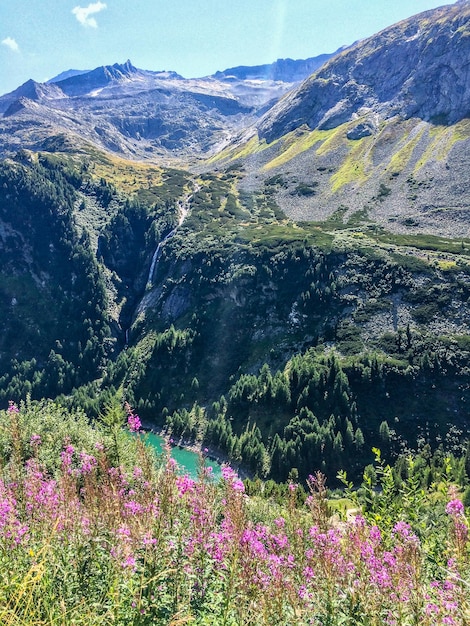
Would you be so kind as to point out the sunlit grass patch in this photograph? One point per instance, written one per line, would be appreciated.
(447, 264)
(442, 140)
(354, 168)
(296, 142)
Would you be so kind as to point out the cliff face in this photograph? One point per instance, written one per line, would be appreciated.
(417, 68)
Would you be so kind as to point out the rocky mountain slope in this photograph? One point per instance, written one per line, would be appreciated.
(418, 68)
(381, 129)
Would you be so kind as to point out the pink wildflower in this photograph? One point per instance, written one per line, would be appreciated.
(129, 562)
(134, 423)
(431, 608)
(403, 530)
(133, 507)
(227, 473)
(123, 531)
(66, 458)
(88, 463)
(148, 540)
(231, 477)
(171, 464)
(375, 534)
(184, 484)
(137, 472)
(455, 507)
(35, 440)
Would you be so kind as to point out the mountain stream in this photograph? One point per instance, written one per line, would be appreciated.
(183, 210)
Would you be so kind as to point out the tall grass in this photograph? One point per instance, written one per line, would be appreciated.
(88, 541)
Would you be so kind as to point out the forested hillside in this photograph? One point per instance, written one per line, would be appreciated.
(54, 320)
(286, 345)
(293, 293)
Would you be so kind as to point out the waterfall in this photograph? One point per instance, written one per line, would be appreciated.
(183, 210)
(156, 256)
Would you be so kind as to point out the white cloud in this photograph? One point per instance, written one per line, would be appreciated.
(9, 42)
(83, 13)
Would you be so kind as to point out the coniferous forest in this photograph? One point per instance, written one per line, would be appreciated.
(270, 342)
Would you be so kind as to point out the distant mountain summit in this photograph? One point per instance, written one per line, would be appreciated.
(30, 90)
(285, 70)
(66, 74)
(80, 84)
(36, 91)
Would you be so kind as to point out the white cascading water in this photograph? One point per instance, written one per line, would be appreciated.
(183, 209)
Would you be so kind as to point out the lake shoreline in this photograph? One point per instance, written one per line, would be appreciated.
(207, 451)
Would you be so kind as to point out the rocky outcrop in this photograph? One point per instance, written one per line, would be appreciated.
(363, 129)
(418, 68)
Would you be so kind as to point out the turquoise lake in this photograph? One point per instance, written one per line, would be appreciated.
(187, 460)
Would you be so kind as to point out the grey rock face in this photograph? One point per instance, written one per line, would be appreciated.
(418, 68)
(361, 130)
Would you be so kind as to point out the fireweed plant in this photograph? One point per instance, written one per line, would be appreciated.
(95, 529)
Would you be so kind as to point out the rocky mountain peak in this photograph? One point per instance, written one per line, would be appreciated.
(126, 69)
(35, 91)
(31, 91)
(81, 84)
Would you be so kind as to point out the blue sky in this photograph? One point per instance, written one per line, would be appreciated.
(41, 38)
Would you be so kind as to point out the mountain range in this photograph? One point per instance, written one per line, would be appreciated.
(145, 114)
(273, 258)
